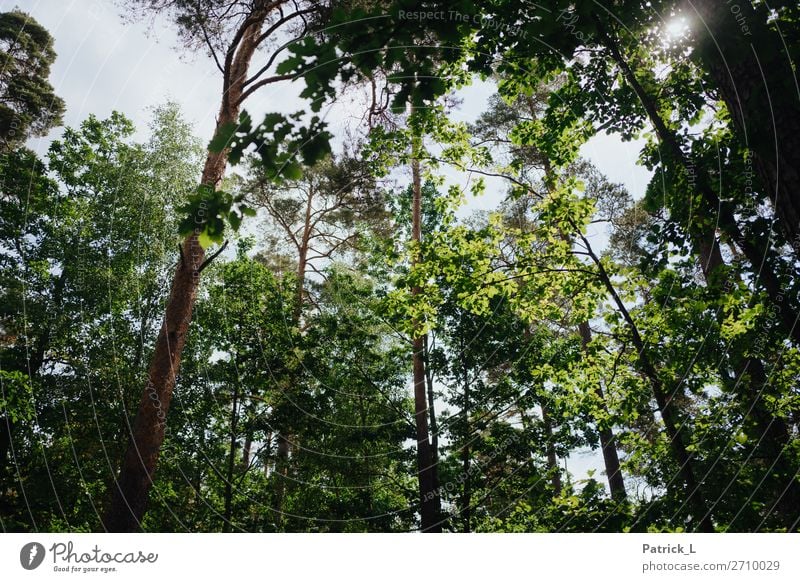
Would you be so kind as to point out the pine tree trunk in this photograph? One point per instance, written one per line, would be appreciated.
(131, 490)
(426, 469)
(228, 495)
(616, 482)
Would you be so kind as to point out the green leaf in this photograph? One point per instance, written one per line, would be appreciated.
(235, 221)
(204, 239)
(223, 137)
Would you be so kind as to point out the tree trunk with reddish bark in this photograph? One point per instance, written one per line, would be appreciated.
(426, 469)
(132, 487)
(608, 444)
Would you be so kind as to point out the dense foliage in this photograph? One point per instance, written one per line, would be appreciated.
(364, 310)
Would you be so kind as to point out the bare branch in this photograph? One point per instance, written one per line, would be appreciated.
(271, 30)
(207, 262)
(209, 43)
(262, 83)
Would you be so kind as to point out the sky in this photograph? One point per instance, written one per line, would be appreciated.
(106, 64)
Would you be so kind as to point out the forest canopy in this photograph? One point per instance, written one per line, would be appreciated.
(442, 316)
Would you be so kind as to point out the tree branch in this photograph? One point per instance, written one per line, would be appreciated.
(207, 262)
(262, 83)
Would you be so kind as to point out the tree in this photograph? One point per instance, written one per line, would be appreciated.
(752, 69)
(231, 33)
(320, 216)
(28, 104)
(82, 284)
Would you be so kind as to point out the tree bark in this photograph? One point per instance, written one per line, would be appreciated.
(426, 469)
(131, 489)
(756, 81)
(616, 482)
(228, 495)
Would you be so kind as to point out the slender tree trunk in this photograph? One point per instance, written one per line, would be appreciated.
(228, 495)
(434, 425)
(757, 82)
(426, 469)
(552, 459)
(616, 482)
(694, 495)
(131, 490)
(465, 505)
